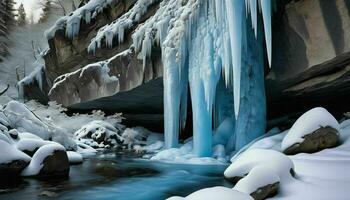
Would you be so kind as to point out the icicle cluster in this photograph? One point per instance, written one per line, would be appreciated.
(202, 42)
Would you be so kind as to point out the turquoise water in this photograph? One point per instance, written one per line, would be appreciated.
(111, 176)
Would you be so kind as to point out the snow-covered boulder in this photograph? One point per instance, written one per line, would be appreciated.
(48, 160)
(99, 134)
(21, 118)
(260, 183)
(218, 192)
(74, 157)
(30, 146)
(279, 163)
(315, 130)
(12, 161)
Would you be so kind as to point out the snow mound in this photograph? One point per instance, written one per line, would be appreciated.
(218, 192)
(31, 145)
(26, 135)
(308, 123)
(8, 153)
(185, 155)
(258, 177)
(74, 157)
(36, 164)
(274, 160)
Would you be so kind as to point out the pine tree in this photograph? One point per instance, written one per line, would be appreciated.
(7, 19)
(10, 16)
(21, 20)
(46, 11)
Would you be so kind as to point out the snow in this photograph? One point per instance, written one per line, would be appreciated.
(74, 157)
(98, 131)
(258, 177)
(36, 164)
(185, 155)
(31, 144)
(24, 120)
(309, 122)
(26, 135)
(321, 175)
(8, 153)
(218, 192)
(244, 163)
(85, 150)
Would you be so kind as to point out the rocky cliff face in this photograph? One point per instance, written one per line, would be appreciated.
(311, 64)
(311, 57)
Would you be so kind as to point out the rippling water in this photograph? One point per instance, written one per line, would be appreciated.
(111, 176)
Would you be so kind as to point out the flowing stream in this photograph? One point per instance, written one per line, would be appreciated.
(115, 176)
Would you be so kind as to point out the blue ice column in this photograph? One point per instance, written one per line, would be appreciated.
(251, 121)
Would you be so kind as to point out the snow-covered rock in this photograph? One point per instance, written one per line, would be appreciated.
(12, 161)
(308, 123)
(218, 192)
(259, 183)
(74, 157)
(30, 146)
(244, 163)
(100, 132)
(48, 160)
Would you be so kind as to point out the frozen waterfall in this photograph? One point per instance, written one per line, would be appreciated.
(213, 54)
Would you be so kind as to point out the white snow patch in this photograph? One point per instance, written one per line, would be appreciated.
(8, 153)
(31, 144)
(222, 193)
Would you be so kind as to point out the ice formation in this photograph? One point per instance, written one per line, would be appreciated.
(210, 50)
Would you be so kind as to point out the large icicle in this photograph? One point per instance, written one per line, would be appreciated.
(235, 16)
(266, 8)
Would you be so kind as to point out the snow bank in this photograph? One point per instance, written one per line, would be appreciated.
(218, 192)
(258, 177)
(74, 157)
(8, 153)
(24, 120)
(274, 160)
(308, 123)
(36, 164)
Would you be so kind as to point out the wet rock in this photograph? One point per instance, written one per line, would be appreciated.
(13, 168)
(265, 192)
(322, 138)
(56, 164)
